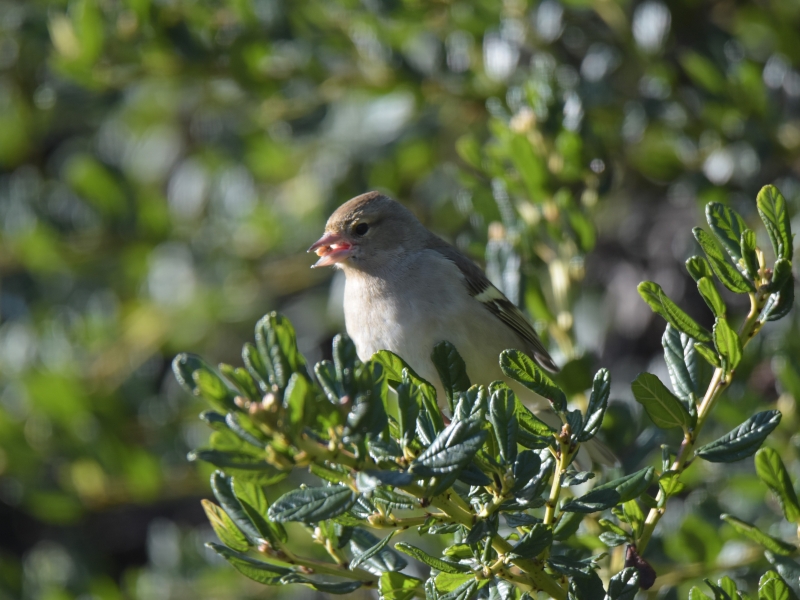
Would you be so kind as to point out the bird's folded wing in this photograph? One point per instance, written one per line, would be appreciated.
(480, 288)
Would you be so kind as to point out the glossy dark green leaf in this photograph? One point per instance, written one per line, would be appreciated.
(663, 408)
(445, 566)
(277, 345)
(298, 393)
(504, 423)
(660, 303)
(612, 493)
(534, 542)
(345, 361)
(624, 585)
(523, 369)
(567, 526)
(728, 344)
(782, 271)
(235, 425)
(728, 226)
(254, 501)
(698, 267)
(372, 554)
(452, 370)
(730, 277)
(571, 478)
(223, 489)
(687, 372)
(396, 586)
(256, 367)
(256, 570)
(711, 296)
(772, 209)
(242, 380)
(224, 527)
(312, 504)
(742, 441)
(339, 588)
(598, 402)
(747, 243)
(754, 533)
(612, 540)
(326, 376)
(770, 469)
(779, 303)
(199, 379)
(409, 403)
(452, 449)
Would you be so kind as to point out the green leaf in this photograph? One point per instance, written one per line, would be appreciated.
(456, 587)
(711, 296)
(698, 267)
(197, 378)
(409, 403)
(670, 483)
(770, 469)
(445, 566)
(728, 344)
(524, 370)
(396, 586)
(312, 504)
(612, 493)
(779, 303)
(224, 527)
(277, 345)
(534, 542)
(249, 567)
(256, 367)
(771, 586)
(754, 533)
(634, 516)
(687, 373)
(747, 243)
(567, 526)
(242, 380)
(340, 588)
(452, 449)
(222, 486)
(697, 594)
(254, 501)
(664, 409)
(742, 441)
(397, 371)
(452, 370)
(504, 423)
(598, 402)
(298, 392)
(728, 275)
(728, 226)
(373, 554)
(772, 209)
(660, 303)
(709, 355)
(781, 273)
(624, 585)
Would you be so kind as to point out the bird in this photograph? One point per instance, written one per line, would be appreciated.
(406, 289)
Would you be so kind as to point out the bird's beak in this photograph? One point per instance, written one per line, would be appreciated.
(331, 248)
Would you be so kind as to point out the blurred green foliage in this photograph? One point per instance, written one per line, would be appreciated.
(163, 164)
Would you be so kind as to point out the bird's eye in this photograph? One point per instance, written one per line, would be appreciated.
(361, 228)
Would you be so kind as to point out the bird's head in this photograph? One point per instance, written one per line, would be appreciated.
(367, 233)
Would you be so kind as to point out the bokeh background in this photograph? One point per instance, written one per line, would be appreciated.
(164, 164)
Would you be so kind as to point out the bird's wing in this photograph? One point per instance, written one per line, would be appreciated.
(480, 288)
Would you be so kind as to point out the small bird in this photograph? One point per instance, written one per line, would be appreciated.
(406, 289)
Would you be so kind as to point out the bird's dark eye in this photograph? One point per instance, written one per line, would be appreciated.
(361, 228)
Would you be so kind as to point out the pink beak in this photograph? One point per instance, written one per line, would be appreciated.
(331, 248)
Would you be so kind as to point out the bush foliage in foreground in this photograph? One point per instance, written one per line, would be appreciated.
(494, 485)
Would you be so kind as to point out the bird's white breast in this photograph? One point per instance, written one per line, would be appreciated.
(423, 302)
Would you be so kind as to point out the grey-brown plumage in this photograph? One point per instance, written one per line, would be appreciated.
(407, 289)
